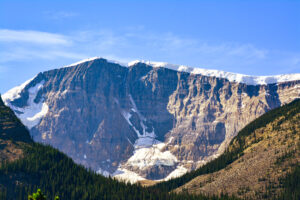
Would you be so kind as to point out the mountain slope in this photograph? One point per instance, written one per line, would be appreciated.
(13, 135)
(107, 117)
(256, 162)
(39, 166)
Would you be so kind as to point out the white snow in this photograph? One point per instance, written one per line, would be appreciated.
(145, 142)
(233, 77)
(148, 150)
(127, 176)
(14, 93)
(150, 156)
(134, 62)
(82, 61)
(103, 172)
(95, 58)
(127, 116)
(33, 112)
(249, 80)
(179, 171)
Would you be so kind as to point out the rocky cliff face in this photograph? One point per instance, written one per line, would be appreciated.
(140, 122)
(258, 159)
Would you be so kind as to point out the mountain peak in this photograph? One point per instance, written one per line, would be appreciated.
(122, 112)
(230, 76)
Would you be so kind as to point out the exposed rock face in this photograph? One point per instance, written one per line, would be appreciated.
(267, 154)
(140, 121)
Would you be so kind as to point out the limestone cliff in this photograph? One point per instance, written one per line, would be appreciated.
(141, 121)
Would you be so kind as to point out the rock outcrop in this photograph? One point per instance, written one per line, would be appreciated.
(257, 161)
(140, 122)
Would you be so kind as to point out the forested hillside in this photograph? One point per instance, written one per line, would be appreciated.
(30, 165)
(34, 166)
(262, 161)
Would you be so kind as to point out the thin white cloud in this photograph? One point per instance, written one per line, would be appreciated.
(171, 43)
(142, 44)
(24, 54)
(35, 37)
(58, 15)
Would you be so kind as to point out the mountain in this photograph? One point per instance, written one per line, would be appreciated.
(144, 120)
(13, 135)
(261, 162)
(26, 166)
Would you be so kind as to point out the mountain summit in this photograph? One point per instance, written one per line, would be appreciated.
(144, 120)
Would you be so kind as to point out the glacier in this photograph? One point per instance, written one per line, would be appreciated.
(230, 76)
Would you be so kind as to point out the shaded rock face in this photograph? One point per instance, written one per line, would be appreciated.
(100, 112)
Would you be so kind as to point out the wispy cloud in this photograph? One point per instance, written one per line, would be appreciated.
(59, 15)
(35, 37)
(138, 43)
(25, 54)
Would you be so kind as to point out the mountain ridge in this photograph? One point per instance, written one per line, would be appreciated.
(13, 135)
(231, 76)
(257, 162)
(26, 166)
(180, 120)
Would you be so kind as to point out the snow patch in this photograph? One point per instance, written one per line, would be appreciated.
(31, 114)
(145, 157)
(15, 92)
(232, 77)
(148, 150)
(127, 176)
(247, 79)
(179, 171)
(103, 172)
(95, 58)
(127, 117)
(145, 142)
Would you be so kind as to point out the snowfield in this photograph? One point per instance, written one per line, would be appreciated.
(232, 77)
(31, 114)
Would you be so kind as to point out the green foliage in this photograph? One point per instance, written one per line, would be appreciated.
(46, 168)
(291, 185)
(11, 127)
(37, 196)
(54, 173)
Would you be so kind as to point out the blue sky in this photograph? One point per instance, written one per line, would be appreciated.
(250, 37)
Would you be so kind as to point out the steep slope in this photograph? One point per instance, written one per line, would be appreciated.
(13, 135)
(143, 121)
(27, 166)
(255, 163)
